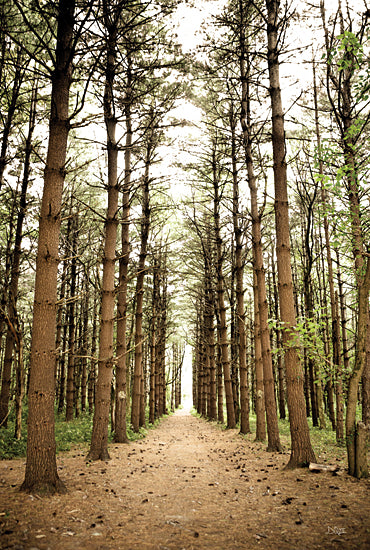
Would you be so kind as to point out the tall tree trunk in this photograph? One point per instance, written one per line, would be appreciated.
(307, 199)
(41, 469)
(99, 439)
(70, 393)
(60, 341)
(211, 354)
(92, 370)
(120, 434)
(239, 272)
(153, 343)
(360, 361)
(258, 266)
(62, 371)
(12, 334)
(138, 366)
(20, 387)
(221, 302)
(259, 392)
(84, 345)
(343, 317)
(344, 109)
(162, 353)
(280, 365)
(366, 382)
(220, 384)
(234, 336)
(337, 357)
(302, 453)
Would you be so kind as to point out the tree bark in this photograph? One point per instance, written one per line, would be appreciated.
(239, 272)
(302, 453)
(99, 439)
(280, 365)
(337, 357)
(221, 302)
(41, 469)
(120, 434)
(360, 361)
(258, 266)
(138, 366)
(71, 366)
(153, 343)
(13, 336)
(259, 393)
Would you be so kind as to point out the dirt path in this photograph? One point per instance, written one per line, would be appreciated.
(187, 485)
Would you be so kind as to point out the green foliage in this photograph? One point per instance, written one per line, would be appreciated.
(323, 441)
(134, 436)
(347, 54)
(9, 446)
(71, 433)
(305, 338)
(67, 434)
(350, 50)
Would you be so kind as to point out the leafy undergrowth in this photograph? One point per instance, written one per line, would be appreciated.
(76, 434)
(323, 442)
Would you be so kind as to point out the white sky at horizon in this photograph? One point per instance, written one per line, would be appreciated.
(189, 18)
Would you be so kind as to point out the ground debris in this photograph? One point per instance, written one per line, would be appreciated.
(313, 467)
(215, 509)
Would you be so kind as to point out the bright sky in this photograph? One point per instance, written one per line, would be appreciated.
(189, 18)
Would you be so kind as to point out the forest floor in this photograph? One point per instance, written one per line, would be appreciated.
(187, 485)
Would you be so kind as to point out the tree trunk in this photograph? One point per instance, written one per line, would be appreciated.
(212, 360)
(41, 469)
(70, 394)
(302, 453)
(268, 377)
(153, 344)
(280, 365)
(99, 439)
(92, 370)
(162, 353)
(239, 271)
(84, 346)
(13, 336)
(337, 357)
(120, 434)
(360, 361)
(259, 392)
(138, 367)
(220, 385)
(20, 389)
(366, 380)
(234, 336)
(221, 302)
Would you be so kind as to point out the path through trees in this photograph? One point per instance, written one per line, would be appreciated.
(159, 200)
(188, 484)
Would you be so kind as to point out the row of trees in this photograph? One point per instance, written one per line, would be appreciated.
(88, 324)
(311, 276)
(274, 316)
